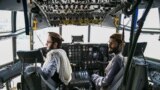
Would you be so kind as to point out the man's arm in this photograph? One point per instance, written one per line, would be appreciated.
(50, 66)
(107, 80)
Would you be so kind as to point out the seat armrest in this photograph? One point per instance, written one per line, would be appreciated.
(49, 82)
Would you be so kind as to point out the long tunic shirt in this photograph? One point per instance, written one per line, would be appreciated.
(111, 70)
(57, 66)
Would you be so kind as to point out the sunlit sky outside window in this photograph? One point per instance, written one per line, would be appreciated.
(98, 35)
(5, 21)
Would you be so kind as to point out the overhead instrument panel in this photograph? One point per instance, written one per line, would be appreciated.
(76, 12)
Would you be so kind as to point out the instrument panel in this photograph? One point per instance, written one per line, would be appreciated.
(154, 74)
(155, 77)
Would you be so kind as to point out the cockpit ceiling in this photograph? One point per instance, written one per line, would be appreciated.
(76, 12)
(156, 4)
(12, 5)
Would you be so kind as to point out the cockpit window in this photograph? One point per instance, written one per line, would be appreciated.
(150, 31)
(20, 20)
(151, 23)
(5, 21)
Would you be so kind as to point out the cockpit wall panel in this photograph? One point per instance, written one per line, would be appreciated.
(12, 5)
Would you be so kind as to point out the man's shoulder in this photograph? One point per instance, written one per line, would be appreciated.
(56, 51)
(118, 56)
(119, 59)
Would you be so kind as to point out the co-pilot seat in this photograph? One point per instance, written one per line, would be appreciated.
(27, 58)
(119, 77)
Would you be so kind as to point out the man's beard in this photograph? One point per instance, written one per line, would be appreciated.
(49, 49)
(113, 50)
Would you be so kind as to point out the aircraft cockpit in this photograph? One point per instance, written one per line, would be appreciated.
(87, 50)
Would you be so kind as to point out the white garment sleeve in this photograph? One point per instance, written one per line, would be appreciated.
(50, 65)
